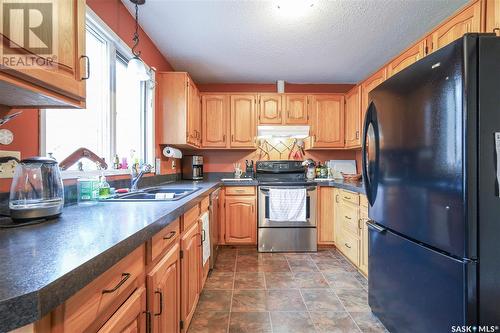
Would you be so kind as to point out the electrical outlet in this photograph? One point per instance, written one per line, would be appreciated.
(7, 169)
(173, 163)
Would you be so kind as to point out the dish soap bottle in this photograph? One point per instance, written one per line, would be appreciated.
(104, 188)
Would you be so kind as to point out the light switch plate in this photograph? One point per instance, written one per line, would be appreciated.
(7, 169)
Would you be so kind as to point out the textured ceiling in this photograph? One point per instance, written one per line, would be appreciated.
(254, 41)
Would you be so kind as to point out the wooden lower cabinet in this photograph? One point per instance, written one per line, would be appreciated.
(163, 283)
(240, 219)
(190, 270)
(131, 317)
(351, 230)
(363, 255)
(326, 213)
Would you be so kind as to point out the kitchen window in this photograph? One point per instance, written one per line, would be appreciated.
(119, 116)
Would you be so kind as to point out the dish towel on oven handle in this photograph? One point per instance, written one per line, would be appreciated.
(205, 223)
(287, 204)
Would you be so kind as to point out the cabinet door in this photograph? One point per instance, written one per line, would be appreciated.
(368, 85)
(193, 115)
(296, 109)
(163, 284)
(469, 20)
(410, 56)
(190, 270)
(65, 68)
(130, 317)
(326, 226)
(214, 119)
(243, 121)
(337, 211)
(492, 15)
(270, 109)
(241, 220)
(353, 118)
(363, 260)
(328, 121)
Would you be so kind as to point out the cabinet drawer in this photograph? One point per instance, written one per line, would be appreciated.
(130, 317)
(363, 201)
(349, 218)
(240, 190)
(190, 217)
(91, 306)
(349, 246)
(162, 240)
(348, 196)
(205, 202)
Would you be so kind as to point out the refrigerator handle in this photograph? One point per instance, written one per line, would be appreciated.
(369, 168)
(375, 227)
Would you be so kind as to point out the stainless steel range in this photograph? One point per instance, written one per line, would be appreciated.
(285, 235)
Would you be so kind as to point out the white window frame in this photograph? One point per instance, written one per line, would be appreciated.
(116, 47)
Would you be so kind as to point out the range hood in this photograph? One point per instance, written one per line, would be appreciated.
(281, 131)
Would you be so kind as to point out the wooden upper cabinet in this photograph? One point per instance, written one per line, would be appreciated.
(193, 135)
(270, 109)
(190, 270)
(60, 84)
(215, 118)
(353, 118)
(296, 109)
(492, 15)
(410, 56)
(179, 110)
(163, 284)
(327, 112)
(368, 85)
(241, 220)
(243, 121)
(468, 20)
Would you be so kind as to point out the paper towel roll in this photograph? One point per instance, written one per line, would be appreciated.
(172, 152)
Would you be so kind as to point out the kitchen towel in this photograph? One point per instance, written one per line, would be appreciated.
(205, 225)
(287, 204)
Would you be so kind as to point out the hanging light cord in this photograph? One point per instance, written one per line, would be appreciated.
(136, 33)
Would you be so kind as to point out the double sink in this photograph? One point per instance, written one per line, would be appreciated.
(158, 193)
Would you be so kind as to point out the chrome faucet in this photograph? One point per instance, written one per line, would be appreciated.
(137, 175)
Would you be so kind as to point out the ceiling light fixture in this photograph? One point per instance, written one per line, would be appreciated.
(136, 66)
(294, 7)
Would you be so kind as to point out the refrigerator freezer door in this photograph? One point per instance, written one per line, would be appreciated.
(415, 289)
(417, 188)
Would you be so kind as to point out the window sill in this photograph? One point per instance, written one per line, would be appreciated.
(75, 174)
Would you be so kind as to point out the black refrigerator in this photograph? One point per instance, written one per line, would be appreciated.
(431, 164)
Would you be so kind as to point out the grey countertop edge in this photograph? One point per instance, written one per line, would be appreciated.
(30, 307)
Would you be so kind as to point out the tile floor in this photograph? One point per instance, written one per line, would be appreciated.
(286, 292)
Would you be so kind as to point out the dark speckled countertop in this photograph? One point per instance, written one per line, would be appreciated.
(354, 186)
(43, 265)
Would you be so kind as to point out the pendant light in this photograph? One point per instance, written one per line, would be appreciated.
(136, 66)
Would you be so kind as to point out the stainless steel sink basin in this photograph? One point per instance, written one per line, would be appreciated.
(155, 194)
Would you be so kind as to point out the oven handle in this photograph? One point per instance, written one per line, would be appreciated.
(308, 188)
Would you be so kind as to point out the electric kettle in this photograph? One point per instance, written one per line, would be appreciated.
(37, 190)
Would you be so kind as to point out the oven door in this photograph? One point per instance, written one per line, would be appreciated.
(263, 202)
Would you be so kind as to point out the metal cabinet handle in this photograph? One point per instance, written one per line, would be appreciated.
(170, 235)
(224, 138)
(347, 217)
(347, 198)
(337, 198)
(203, 236)
(357, 134)
(159, 292)
(125, 277)
(87, 61)
(347, 245)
